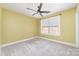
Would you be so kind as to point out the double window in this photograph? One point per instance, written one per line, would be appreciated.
(50, 26)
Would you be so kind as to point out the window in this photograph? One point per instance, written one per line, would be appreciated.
(51, 26)
(44, 26)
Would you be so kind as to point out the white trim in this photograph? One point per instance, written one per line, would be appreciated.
(4, 45)
(77, 27)
(7, 44)
(69, 44)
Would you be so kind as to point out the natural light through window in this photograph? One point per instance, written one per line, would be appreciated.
(51, 26)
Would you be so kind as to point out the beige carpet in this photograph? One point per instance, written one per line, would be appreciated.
(39, 47)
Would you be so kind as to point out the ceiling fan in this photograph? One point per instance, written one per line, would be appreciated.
(38, 10)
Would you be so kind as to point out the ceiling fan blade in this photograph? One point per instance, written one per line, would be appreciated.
(34, 14)
(31, 9)
(44, 11)
(40, 6)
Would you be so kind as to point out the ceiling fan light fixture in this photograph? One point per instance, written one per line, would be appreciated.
(38, 10)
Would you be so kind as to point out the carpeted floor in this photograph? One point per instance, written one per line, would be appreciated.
(39, 47)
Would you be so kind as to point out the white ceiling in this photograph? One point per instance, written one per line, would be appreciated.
(52, 7)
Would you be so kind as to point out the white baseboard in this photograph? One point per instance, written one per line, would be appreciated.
(70, 44)
(7, 44)
(4, 45)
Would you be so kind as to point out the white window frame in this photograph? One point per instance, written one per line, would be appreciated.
(49, 20)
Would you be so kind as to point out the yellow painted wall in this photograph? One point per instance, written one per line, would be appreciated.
(67, 27)
(0, 25)
(17, 26)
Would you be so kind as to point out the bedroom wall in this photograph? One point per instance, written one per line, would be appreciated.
(17, 26)
(0, 25)
(67, 26)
